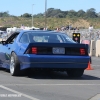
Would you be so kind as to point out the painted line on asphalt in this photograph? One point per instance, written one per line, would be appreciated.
(51, 84)
(19, 93)
(96, 97)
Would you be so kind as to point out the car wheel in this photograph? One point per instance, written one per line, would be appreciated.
(75, 72)
(14, 65)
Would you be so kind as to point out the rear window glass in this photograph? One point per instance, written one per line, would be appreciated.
(45, 37)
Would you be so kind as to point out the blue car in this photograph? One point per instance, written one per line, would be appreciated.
(46, 50)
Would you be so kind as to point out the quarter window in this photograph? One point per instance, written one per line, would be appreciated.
(24, 38)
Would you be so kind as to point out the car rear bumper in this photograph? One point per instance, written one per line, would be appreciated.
(48, 61)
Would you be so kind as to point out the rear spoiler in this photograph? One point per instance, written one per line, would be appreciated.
(59, 45)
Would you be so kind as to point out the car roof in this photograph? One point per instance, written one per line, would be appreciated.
(43, 31)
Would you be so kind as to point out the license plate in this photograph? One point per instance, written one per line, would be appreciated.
(57, 50)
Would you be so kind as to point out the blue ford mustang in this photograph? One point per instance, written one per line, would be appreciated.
(37, 49)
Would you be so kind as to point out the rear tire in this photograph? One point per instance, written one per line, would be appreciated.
(14, 65)
(75, 72)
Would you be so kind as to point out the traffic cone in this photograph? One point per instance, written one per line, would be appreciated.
(89, 66)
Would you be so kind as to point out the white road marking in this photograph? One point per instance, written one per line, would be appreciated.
(51, 84)
(16, 92)
(97, 97)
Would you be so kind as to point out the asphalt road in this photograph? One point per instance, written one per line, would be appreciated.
(52, 86)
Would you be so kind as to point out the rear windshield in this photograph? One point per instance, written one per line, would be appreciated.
(43, 37)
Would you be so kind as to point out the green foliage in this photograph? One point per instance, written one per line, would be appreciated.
(4, 14)
(91, 13)
(81, 13)
(55, 18)
(26, 15)
(38, 15)
(72, 13)
(51, 12)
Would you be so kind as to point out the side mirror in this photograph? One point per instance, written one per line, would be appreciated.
(3, 42)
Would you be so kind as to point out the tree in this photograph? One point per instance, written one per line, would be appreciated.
(60, 15)
(4, 14)
(72, 13)
(51, 12)
(98, 14)
(38, 15)
(80, 13)
(26, 15)
(91, 13)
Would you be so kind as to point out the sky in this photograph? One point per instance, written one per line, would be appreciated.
(19, 7)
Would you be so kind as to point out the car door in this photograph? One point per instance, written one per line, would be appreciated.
(5, 50)
(2, 54)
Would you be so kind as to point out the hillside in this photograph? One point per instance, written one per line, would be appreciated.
(52, 23)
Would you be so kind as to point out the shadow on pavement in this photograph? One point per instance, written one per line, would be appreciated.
(59, 75)
(53, 75)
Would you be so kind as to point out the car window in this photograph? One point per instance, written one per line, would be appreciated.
(59, 38)
(45, 37)
(11, 39)
(24, 39)
(67, 38)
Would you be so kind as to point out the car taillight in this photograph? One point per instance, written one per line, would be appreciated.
(34, 50)
(82, 51)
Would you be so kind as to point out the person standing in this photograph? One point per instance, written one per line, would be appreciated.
(91, 31)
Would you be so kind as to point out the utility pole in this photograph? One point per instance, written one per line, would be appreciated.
(45, 14)
(32, 14)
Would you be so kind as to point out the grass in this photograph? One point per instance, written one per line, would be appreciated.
(52, 23)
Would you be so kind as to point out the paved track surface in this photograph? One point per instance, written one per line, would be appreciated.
(52, 86)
